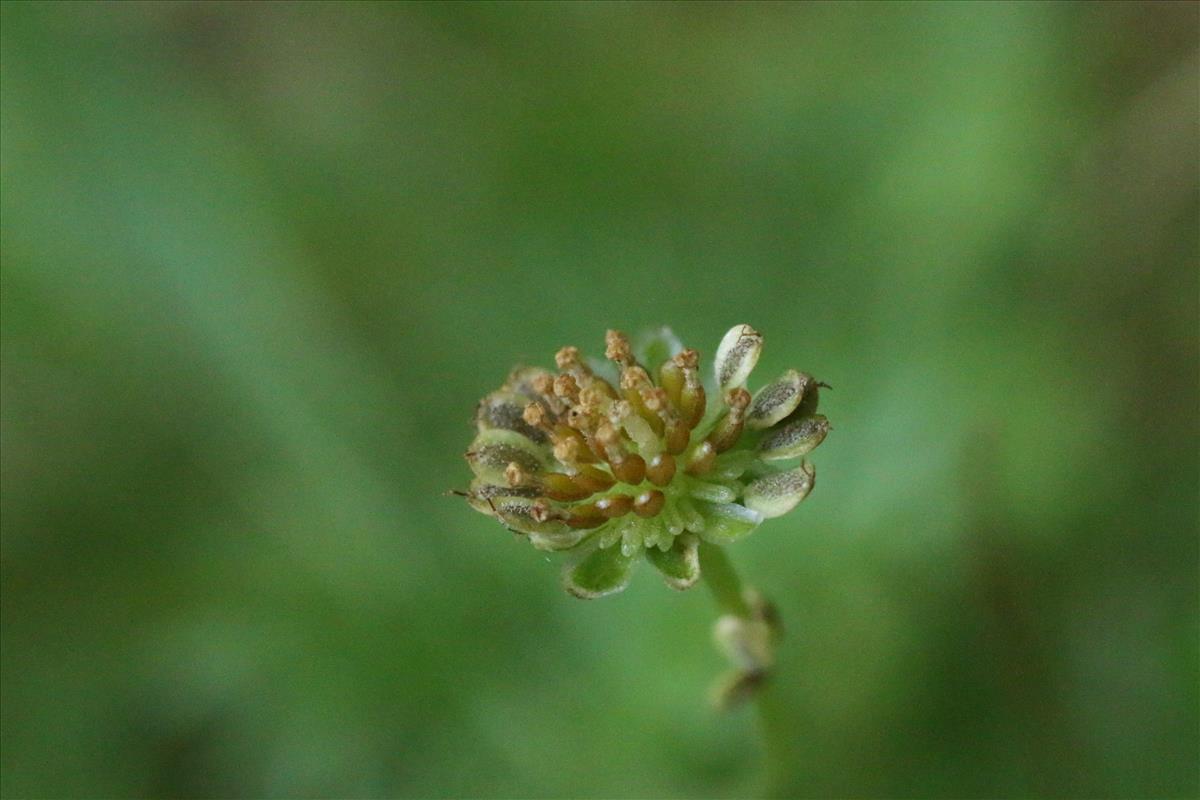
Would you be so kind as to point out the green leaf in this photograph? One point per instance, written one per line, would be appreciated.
(680, 566)
(726, 522)
(600, 573)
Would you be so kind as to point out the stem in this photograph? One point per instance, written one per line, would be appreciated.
(724, 583)
(726, 588)
(773, 725)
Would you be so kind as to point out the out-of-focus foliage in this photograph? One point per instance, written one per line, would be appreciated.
(260, 260)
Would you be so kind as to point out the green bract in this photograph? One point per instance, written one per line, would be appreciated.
(643, 456)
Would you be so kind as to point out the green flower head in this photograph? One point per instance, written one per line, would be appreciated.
(630, 457)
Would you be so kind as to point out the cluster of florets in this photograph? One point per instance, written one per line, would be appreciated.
(609, 460)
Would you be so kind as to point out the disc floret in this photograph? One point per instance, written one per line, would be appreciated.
(639, 456)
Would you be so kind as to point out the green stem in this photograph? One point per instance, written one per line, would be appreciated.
(726, 587)
(724, 583)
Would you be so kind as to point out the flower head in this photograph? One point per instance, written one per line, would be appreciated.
(640, 455)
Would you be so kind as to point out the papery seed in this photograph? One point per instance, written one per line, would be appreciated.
(776, 400)
(486, 491)
(505, 410)
(793, 439)
(524, 516)
(493, 450)
(483, 497)
(812, 396)
(736, 356)
(776, 494)
(515, 475)
(540, 511)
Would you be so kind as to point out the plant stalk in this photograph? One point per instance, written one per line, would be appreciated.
(726, 587)
(722, 580)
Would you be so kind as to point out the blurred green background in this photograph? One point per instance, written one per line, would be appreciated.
(260, 261)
